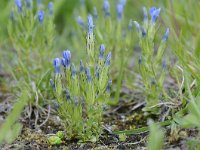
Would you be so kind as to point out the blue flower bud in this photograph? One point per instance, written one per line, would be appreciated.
(108, 58)
(145, 14)
(123, 2)
(88, 74)
(18, 3)
(81, 66)
(106, 8)
(137, 26)
(108, 89)
(120, 10)
(50, 8)
(57, 64)
(80, 21)
(130, 25)
(28, 3)
(73, 70)
(154, 12)
(41, 16)
(67, 58)
(52, 84)
(39, 2)
(95, 14)
(166, 35)
(97, 69)
(102, 50)
(63, 62)
(90, 24)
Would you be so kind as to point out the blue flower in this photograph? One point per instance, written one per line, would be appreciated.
(166, 35)
(39, 2)
(18, 3)
(154, 12)
(88, 74)
(108, 58)
(137, 26)
(73, 70)
(95, 14)
(90, 24)
(108, 89)
(106, 8)
(41, 16)
(81, 66)
(57, 64)
(145, 14)
(80, 21)
(102, 50)
(50, 8)
(123, 2)
(28, 3)
(120, 10)
(67, 58)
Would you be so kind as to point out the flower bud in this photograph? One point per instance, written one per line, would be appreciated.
(50, 8)
(106, 8)
(154, 12)
(18, 3)
(90, 24)
(28, 3)
(108, 58)
(120, 10)
(88, 74)
(166, 35)
(67, 58)
(57, 64)
(102, 50)
(41, 16)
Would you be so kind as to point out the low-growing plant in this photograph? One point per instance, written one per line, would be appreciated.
(31, 31)
(82, 93)
(152, 67)
(116, 33)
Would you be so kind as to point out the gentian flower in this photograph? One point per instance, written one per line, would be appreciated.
(154, 12)
(145, 14)
(81, 66)
(73, 70)
(95, 14)
(67, 58)
(88, 74)
(19, 5)
(90, 24)
(28, 3)
(106, 8)
(50, 8)
(120, 10)
(108, 58)
(80, 21)
(57, 64)
(166, 35)
(101, 49)
(41, 16)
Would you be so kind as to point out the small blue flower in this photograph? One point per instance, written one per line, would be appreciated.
(80, 21)
(28, 3)
(102, 50)
(145, 14)
(95, 14)
(50, 8)
(63, 62)
(106, 8)
(137, 26)
(41, 16)
(120, 10)
(18, 3)
(166, 35)
(57, 64)
(108, 89)
(130, 25)
(90, 24)
(123, 2)
(154, 12)
(97, 70)
(39, 2)
(73, 70)
(67, 58)
(81, 66)
(108, 59)
(88, 74)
